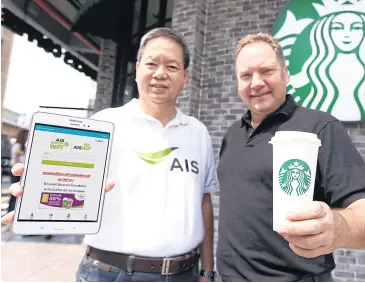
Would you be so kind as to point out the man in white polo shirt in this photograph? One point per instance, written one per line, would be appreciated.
(159, 211)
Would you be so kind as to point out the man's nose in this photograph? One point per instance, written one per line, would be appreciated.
(160, 73)
(257, 81)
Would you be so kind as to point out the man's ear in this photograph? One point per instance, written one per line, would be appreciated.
(186, 75)
(286, 74)
(137, 65)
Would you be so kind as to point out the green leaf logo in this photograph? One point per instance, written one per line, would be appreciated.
(156, 157)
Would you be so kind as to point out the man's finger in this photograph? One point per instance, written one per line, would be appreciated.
(310, 210)
(16, 190)
(8, 218)
(308, 253)
(17, 169)
(307, 242)
(109, 185)
(302, 228)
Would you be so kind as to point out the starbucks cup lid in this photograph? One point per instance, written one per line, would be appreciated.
(295, 136)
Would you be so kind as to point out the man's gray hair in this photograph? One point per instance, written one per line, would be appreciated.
(169, 33)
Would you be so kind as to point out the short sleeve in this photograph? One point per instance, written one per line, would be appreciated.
(341, 167)
(210, 183)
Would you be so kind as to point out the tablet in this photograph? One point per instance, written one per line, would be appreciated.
(66, 165)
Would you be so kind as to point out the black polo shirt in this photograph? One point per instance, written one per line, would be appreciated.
(248, 248)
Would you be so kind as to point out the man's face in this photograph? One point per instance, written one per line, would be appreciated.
(261, 79)
(160, 74)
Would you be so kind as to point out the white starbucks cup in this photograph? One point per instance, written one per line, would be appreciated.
(295, 157)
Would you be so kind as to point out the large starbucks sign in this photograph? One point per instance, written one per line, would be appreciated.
(324, 48)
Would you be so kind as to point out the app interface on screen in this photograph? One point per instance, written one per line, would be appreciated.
(65, 172)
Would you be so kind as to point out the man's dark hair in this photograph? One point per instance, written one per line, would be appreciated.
(165, 32)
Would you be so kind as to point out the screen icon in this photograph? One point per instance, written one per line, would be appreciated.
(31, 216)
(85, 217)
(50, 216)
(68, 216)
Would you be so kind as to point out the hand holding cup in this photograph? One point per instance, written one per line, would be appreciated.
(312, 229)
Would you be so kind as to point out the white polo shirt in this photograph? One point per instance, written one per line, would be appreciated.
(161, 174)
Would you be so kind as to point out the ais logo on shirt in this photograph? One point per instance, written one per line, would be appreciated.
(158, 157)
(176, 164)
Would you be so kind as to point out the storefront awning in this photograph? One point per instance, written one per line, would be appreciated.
(18, 26)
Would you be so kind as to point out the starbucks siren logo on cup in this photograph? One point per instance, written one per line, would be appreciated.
(295, 177)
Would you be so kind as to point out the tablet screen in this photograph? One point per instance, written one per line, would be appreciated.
(65, 174)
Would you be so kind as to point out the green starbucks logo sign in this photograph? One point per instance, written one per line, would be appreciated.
(324, 48)
(295, 176)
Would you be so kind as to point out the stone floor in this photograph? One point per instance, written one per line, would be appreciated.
(34, 258)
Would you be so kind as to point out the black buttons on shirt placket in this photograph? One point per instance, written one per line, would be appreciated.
(249, 139)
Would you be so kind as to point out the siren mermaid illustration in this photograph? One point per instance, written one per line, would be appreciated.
(294, 177)
(332, 78)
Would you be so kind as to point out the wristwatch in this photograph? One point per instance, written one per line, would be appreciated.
(208, 273)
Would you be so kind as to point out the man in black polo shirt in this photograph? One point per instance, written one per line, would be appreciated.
(248, 248)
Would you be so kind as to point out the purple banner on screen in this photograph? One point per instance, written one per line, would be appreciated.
(62, 200)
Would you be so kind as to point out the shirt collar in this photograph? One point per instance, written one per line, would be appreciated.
(287, 109)
(137, 112)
